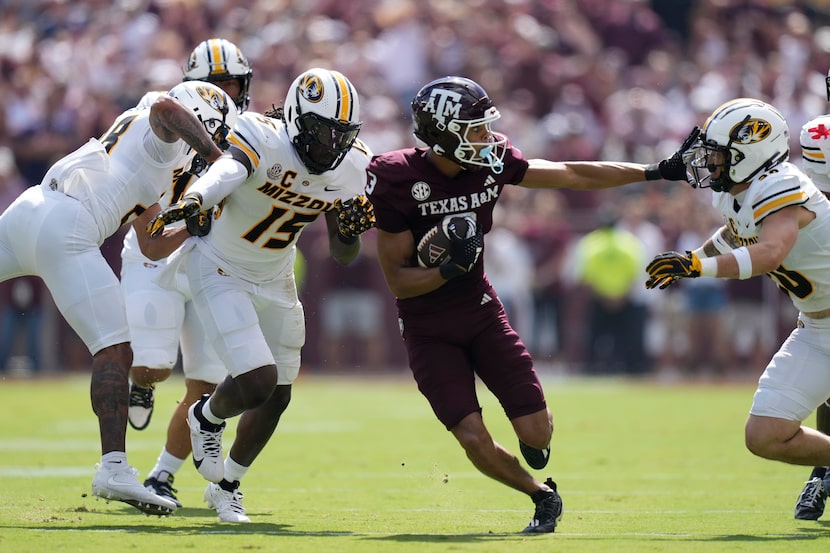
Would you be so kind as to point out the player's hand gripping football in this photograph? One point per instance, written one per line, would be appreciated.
(674, 167)
(465, 247)
(189, 205)
(354, 216)
(667, 268)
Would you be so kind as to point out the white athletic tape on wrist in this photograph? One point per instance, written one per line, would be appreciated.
(744, 262)
(709, 267)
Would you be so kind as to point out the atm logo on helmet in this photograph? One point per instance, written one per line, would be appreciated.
(444, 104)
(751, 131)
(311, 88)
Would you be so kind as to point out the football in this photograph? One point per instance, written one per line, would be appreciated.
(434, 248)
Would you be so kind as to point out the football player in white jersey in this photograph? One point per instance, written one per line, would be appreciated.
(162, 319)
(777, 223)
(55, 231)
(282, 171)
(815, 161)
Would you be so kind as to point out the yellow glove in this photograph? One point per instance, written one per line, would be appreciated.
(190, 204)
(668, 267)
(354, 216)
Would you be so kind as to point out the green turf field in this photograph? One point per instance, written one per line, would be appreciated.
(361, 465)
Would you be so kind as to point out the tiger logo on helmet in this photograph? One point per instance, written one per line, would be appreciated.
(752, 131)
(311, 87)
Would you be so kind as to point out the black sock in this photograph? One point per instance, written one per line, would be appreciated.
(229, 486)
(818, 472)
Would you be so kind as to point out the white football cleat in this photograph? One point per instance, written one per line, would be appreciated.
(121, 484)
(228, 505)
(206, 440)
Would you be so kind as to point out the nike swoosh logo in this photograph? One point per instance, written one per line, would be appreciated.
(111, 481)
(327, 189)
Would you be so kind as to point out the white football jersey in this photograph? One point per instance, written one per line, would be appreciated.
(121, 174)
(805, 272)
(256, 226)
(815, 151)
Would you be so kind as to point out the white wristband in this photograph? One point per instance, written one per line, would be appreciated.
(744, 262)
(709, 266)
(719, 243)
(700, 253)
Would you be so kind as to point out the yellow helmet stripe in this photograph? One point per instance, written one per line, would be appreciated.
(217, 62)
(812, 154)
(344, 97)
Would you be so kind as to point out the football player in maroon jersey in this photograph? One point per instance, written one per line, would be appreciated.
(453, 325)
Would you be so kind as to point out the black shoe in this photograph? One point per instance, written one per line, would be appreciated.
(536, 458)
(811, 500)
(141, 406)
(164, 488)
(549, 510)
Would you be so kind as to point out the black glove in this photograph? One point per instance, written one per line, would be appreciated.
(354, 217)
(667, 267)
(464, 250)
(190, 204)
(674, 168)
(200, 223)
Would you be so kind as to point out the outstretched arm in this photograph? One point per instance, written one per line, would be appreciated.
(582, 175)
(596, 175)
(225, 175)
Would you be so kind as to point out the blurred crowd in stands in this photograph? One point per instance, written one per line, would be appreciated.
(573, 79)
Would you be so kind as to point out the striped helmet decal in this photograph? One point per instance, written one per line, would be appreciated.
(345, 97)
(216, 57)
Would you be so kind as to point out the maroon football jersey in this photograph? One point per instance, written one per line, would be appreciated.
(410, 193)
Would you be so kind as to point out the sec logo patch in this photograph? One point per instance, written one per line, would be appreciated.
(421, 191)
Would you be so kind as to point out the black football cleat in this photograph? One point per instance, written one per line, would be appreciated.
(811, 500)
(536, 458)
(141, 405)
(548, 512)
(163, 486)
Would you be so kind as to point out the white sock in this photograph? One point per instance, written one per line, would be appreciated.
(208, 414)
(114, 459)
(168, 463)
(233, 470)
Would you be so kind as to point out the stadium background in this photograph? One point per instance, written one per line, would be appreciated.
(574, 79)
